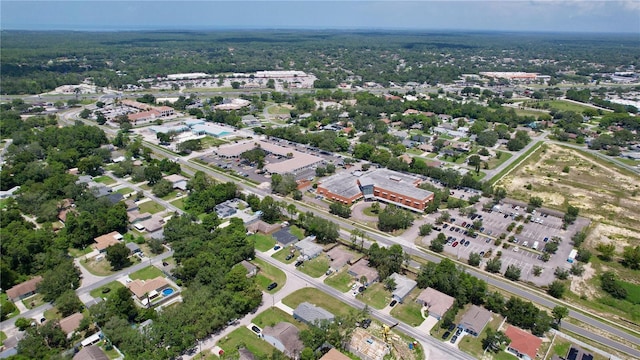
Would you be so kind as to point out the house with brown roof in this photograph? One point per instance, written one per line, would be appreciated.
(437, 303)
(92, 352)
(523, 344)
(71, 323)
(362, 271)
(104, 241)
(474, 320)
(148, 290)
(284, 337)
(339, 258)
(334, 354)
(24, 289)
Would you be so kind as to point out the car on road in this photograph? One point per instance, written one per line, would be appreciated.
(446, 335)
(272, 286)
(329, 272)
(506, 216)
(393, 303)
(546, 239)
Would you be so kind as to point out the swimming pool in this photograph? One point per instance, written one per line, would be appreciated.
(167, 292)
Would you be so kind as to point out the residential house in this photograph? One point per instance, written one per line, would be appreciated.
(133, 248)
(24, 289)
(148, 290)
(523, 344)
(177, 181)
(311, 314)
(153, 224)
(284, 337)
(404, 286)
(69, 324)
(92, 352)
(339, 258)
(334, 354)
(308, 248)
(474, 320)
(437, 303)
(252, 270)
(364, 273)
(104, 241)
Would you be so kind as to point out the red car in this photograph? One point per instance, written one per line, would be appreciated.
(455, 244)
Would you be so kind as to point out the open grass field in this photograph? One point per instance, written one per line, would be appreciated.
(279, 110)
(410, 311)
(112, 285)
(341, 281)
(273, 316)
(315, 267)
(559, 105)
(633, 292)
(124, 191)
(100, 268)
(269, 274)
(282, 255)
(262, 242)
(151, 207)
(318, 298)
(297, 232)
(376, 296)
(245, 337)
(33, 301)
(494, 162)
(104, 180)
(3, 337)
(150, 272)
(607, 195)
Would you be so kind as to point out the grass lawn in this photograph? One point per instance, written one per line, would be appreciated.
(244, 336)
(282, 255)
(633, 292)
(315, 267)
(209, 142)
(150, 272)
(560, 347)
(52, 314)
(79, 252)
(112, 285)
(3, 337)
(145, 186)
(318, 298)
(562, 105)
(269, 274)
(414, 151)
(297, 232)
(410, 311)
(125, 190)
(503, 355)
(104, 180)
(278, 110)
(528, 112)
(432, 155)
(273, 316)
(33, 301)
(367, 211)
(178, 203)
(494, 162)
(100, 268)
(376, 296)
(262, 242)
(341, 281)
(629, 162)
(170, 196)
(151, 207)
(473, 345)
(514, 164)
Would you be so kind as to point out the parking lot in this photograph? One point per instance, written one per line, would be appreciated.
(542, 228)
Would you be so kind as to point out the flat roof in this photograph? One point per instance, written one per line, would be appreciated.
(343, 184)
(395, 181)
(296, 161)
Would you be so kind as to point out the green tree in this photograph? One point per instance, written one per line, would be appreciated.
(23, 323)
(152, 174)
(495, 341)
(556, 289)
(474, 259)
(631, 257)
(85, 113)
(512, 272)
(493, 265)
(68, 303)
(425, 229)
(607, 251)
(609, 282)
(393, 218)
(339, 209)
(118, 256)
(559, 313)
(55, 282)
(6, 308)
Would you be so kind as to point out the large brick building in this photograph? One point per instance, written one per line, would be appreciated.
(381, 184)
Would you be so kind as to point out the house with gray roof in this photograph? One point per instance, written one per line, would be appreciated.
(308, 248)
(404, 286)
(310, 314)
(474, 320)
(133, 248)
(284, 337)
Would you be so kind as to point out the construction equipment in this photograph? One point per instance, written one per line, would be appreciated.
(386, 331)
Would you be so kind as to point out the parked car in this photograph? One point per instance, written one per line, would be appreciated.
(277, 247)
(298, 263)
(272, 286)
(453, 339)
(256, 329)
(445, 226)
(446, 335)
(466, 243)
(451, 327)
(393, 303)
(289, 257)
(458, 332)
(455, 244)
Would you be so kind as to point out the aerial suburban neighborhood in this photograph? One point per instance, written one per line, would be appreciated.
(319, 194)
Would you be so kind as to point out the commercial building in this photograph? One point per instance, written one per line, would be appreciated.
(474, 320)
(437, 303)
(523, 344)
(404, 286)
(381, 184)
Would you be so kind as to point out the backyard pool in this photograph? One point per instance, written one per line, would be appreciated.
(167, 292)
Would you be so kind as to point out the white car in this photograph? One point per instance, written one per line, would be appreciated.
(516, 249)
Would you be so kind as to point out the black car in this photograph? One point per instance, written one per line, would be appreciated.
(451, 327)
(446, 335)
(256, 329)
(289, 257)
(365, 323)
(445, 226)
(298, 263)
(453, 339)
(272, 286)
(458, 332)
(393, 303)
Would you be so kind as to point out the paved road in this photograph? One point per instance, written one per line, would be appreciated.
(409, 247)
(124, 183)
(495, 171)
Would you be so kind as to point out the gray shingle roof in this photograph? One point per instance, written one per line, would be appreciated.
(310, 313)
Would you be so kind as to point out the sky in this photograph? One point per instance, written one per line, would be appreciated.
(483, 15)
